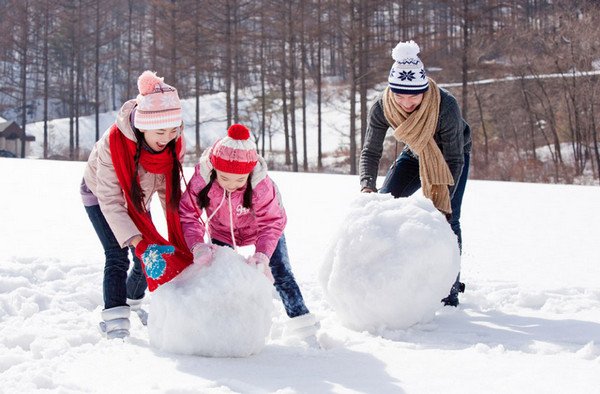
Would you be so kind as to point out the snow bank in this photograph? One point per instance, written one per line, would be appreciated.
(390, 264)
(219, 311)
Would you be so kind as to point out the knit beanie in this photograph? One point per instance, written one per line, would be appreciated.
(407, 75)
(235, 154)
(158, 105)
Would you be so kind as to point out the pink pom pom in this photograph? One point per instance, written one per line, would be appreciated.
(238, 132)
(147, 82)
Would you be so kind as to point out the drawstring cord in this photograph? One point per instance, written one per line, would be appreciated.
(231, 220)
(214, 212)
(211, 216)
(230, 217)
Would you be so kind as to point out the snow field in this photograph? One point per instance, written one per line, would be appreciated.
(528, 322)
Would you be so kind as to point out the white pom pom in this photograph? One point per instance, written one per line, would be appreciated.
(405, 50)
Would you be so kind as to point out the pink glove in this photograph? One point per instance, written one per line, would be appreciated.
(203, 254)
(261, 261)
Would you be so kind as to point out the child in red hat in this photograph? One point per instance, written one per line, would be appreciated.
(243, 207)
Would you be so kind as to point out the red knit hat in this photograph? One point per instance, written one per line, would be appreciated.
(235, 154)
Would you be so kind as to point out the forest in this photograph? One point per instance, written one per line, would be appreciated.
(524, 72)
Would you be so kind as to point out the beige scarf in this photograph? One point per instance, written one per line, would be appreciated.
(416, 129)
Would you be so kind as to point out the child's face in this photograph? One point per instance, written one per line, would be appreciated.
(231, 182)
(158, 139)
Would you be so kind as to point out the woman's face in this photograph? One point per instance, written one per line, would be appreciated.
(231, 182)
(158, 139)
(408, 102)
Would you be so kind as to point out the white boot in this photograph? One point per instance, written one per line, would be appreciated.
(136, 306)
(116, 322)
(303, 327)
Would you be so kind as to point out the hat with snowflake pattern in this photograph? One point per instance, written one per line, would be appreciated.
(158, 105)
(407, 75)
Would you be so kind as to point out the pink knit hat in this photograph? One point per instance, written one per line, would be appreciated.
(158, 105)
(235, 154)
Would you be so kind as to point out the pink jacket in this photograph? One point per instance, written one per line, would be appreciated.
(262, 226)
(101, 178)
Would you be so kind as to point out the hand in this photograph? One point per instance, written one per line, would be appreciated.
(203, 254)
(447, 215)
(367, 190)
(261, 262)
(152, 257)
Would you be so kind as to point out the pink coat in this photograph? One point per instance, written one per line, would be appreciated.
(262, 226)
(101, 178)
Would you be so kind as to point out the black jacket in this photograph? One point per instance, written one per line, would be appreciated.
(452, 135)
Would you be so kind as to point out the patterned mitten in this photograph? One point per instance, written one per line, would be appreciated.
(203, 254)
(161, 262)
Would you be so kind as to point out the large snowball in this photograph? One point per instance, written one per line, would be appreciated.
(390, 264)
(223, 310)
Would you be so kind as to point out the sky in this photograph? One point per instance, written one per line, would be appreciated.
(529, 321)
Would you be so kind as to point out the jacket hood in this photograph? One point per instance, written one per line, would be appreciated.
(123, 121)
(258, 173)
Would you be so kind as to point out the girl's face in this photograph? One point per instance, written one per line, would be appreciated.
(408, 102)
(231, 182)
(158, 139)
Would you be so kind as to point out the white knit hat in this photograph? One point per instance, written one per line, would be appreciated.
(407, 75)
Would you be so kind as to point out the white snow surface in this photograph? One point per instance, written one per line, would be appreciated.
(529, 321)
(224, 310)
(390, 264)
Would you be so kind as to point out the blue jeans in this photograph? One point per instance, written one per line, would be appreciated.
(117, 285)
(403, 179)
(285, 283)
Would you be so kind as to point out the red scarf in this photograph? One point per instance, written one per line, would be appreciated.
(122, 153)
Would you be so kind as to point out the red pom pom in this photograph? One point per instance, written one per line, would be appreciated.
(238, 132)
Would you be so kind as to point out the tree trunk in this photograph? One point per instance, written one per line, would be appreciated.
(319, 88)
(465, 66)
(303, 77)
(46, 72)
(292, 49)
(129, 32)
(24, 64)
(97, 72)
(284, 109)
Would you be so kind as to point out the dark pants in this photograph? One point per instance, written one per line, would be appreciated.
(403, 179)
(117, 285)
(285, 283)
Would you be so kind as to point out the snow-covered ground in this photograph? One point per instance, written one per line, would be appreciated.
(529, 321)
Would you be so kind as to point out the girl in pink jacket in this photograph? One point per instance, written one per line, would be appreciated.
(243, 207)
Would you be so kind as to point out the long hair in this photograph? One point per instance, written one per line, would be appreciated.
(204, 201)
(137, 194)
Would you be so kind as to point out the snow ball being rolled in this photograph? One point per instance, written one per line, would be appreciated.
(390, 263)
(223, 310)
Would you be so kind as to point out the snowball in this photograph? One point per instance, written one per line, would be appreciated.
(223, 310)
(390, 263)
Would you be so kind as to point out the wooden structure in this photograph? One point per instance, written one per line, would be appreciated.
(12, 138)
